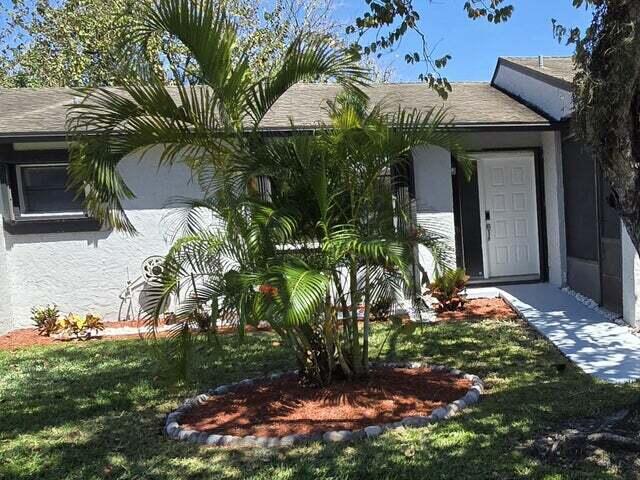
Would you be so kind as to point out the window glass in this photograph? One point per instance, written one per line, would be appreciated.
(44, 190)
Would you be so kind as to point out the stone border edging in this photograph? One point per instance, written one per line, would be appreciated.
(174, 431)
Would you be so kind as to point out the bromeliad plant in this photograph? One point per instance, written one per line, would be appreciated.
(308, 226)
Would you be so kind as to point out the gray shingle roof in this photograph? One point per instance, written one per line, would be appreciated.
(558, 68)
(25, 111)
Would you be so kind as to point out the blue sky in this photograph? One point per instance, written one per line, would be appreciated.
(475, 45)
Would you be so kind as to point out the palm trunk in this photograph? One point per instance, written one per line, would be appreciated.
(343, 306)
(366, 328)
(355, 299)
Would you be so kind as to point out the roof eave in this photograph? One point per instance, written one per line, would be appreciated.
(531, 72)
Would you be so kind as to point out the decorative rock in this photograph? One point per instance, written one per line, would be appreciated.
(337, 436)
(452, 410)
(472, 378)
(246, 382)
(373, 431)
(417, 421)
(192, 436)
(202, 399)
(476, 388)
(202, 438)
(172, 417)
(183, 435)
(471, 397)
(395, 425)
(273, 442)
(415, 364)
(214, 440)
(460, 403)
(289, 440)
(311, 437)
(229, 440)
(262, 441)
(275, 375)
(248, 441)
(221, 390)
(455, 372)
(357, 434)
(439, 414)
(171, 428)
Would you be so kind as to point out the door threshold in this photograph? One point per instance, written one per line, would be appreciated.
(495, 281)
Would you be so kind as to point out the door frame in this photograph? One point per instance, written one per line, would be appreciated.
(538, 195)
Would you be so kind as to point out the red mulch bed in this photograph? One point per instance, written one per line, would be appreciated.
(284, 407)
(27, 337)
(481, 308)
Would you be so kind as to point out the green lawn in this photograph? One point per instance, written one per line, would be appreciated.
(95, 410)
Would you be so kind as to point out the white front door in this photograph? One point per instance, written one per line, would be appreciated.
(508, 214)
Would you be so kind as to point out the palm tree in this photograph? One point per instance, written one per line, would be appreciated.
(312, 226)
(199, 125)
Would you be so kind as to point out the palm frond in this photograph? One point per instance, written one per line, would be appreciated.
(307, 58)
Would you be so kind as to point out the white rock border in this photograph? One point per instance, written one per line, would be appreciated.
(174, 431)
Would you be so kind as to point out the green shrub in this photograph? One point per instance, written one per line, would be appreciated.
(449, 288)
(45, 319)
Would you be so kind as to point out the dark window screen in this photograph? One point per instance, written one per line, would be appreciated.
(44, 190)
(580, 201)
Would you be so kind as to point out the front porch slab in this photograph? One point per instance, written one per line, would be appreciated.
(598, 346)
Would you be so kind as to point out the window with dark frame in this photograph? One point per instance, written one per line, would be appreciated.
(39, 191)
(42, 191)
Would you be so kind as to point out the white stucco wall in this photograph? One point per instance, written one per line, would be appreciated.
(556, 102)
(630, 281)
(434, 199)
(87, 271)
(554, 204)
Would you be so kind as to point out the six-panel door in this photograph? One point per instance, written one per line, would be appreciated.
(509, 214)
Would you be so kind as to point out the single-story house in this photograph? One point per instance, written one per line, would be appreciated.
(535, 210)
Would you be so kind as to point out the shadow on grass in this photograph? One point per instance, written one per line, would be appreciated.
(95, 411)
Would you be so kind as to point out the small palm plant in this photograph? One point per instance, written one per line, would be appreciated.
(310, 227)
(448, 288)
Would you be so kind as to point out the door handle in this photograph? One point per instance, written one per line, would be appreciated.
(487, 219)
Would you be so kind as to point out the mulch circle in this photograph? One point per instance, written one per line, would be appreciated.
(481, 308)
(278, 411)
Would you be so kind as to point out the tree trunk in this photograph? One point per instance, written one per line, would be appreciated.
(355, 300)
(366, 326)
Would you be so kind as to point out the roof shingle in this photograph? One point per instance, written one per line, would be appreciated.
(26, 111)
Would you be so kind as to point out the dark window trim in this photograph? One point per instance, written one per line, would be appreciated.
(45, 224)
(67, 225)
(457, 214)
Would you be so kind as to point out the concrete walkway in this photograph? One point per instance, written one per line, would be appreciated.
(605, 350)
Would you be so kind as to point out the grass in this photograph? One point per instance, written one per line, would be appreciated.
(95, 410)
